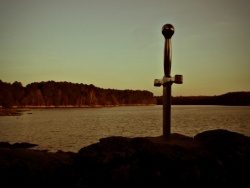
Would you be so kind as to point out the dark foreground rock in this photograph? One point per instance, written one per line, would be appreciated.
(211, 158)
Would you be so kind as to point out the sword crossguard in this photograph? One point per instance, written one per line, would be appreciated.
(177, 79)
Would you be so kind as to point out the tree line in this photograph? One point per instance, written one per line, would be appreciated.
(241, 98)
(67, 94)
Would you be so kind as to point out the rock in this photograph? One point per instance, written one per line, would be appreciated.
(34, 168)
(123, 162)
(211, 158)
(120, 161)
(231, 149)
(16, 145)
(10, 112)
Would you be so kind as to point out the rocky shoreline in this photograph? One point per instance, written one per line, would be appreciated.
(10, 112)
(214, 157)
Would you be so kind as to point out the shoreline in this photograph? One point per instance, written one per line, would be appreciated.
(17, 111)
(11, 112)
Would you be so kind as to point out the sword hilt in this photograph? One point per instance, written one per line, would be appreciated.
(167, 31)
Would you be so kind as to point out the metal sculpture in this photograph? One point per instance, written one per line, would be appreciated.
(167, 80)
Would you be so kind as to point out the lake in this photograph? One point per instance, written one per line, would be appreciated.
(70, 129)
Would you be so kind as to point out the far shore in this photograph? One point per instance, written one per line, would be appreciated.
(10, 112)
(17, 110)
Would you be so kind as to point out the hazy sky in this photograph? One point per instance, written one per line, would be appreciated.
(118, 44)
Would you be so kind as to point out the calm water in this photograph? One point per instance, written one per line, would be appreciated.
(71, 129)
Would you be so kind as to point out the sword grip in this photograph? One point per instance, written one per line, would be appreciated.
(167, 31)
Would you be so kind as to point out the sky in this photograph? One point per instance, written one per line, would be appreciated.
(118, 44)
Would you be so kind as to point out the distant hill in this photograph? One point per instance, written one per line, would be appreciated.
(241, 98)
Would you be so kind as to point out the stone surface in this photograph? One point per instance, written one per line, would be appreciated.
(214, 157)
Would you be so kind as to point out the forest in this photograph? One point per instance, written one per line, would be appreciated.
(241, 98)
(67, 94)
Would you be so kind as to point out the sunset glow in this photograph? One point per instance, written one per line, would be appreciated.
(118, 44)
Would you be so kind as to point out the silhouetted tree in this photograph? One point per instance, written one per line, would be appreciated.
(6, 95)
(18, 93)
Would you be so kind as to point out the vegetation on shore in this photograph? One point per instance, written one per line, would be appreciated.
(241, 98)
(63, 94)
(67, 94)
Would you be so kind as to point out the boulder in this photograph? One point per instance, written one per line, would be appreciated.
(211, 158)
